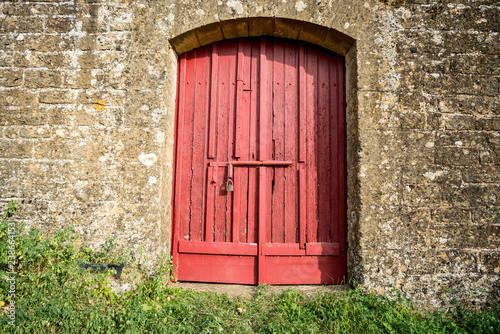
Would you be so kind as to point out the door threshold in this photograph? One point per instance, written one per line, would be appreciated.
(249, 291)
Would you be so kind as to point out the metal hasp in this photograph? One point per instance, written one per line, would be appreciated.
(231, 164)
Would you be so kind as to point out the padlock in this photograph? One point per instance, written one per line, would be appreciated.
(229, 185)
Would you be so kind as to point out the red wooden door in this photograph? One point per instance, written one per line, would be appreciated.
(267, 115)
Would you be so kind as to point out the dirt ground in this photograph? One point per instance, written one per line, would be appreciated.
(248, 291)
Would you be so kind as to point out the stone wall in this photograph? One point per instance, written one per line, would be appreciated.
(87, 108)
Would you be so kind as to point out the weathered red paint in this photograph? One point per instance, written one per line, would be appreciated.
(269, 114)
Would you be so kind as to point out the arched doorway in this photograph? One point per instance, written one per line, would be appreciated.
(260, 193)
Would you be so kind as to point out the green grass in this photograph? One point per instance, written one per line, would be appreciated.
(54, 295)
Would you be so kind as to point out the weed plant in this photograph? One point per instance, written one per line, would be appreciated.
(55, 295)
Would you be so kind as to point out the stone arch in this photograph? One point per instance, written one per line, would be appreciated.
(258, 26)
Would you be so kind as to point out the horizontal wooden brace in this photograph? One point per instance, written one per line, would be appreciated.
(221, 248)
(323, 248)
(278, 249)
(251, 163)
(249, 249)
(293, 249)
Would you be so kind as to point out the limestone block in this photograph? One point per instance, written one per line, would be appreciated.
(11, 78)
(231, 29)
(258, 26)
(48, 43)
(39, 59)
(110, 97)
(13, 116)
(490, 262)
(56, 96)
(113, 41)
(487, 123)
(456, 156)
(424, 174)
(18, 149)
(484, 215)
(451, 215)
(43, 78)
(460, 139)
(441, 262)
(472, 195)
(377, 111)
(180, 17)
(378, 146)
(464, 236)
(147, 34)
(140, 183)
(17, 97)
(21, 25)
(459, 122)
(214, 32)
(60, 149)
(144, 109)
(59, 25)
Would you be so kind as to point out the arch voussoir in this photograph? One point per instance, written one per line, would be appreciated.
(263, 26)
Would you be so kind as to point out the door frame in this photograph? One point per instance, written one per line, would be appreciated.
(350, 73)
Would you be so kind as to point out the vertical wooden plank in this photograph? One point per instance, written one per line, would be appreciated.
(302, 206)
(323, 147)
(232, 46)
(265, 103)
(206, 160)
(311, 158)
(278, 131)
(334, 146)
(302, 103)
(187, 148)
(236, 206)
(179, 132)
(263, 155)
(239, 91)
(237, 143)
(244, 111)
(243, 178)
(197, 180)
(241, 113)
(211, 184)
(222, 139)
(268, 137)
(291, 142)
(303, 194)
(213, 101)
(253, 176)
(342, 148)
(209, 215)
